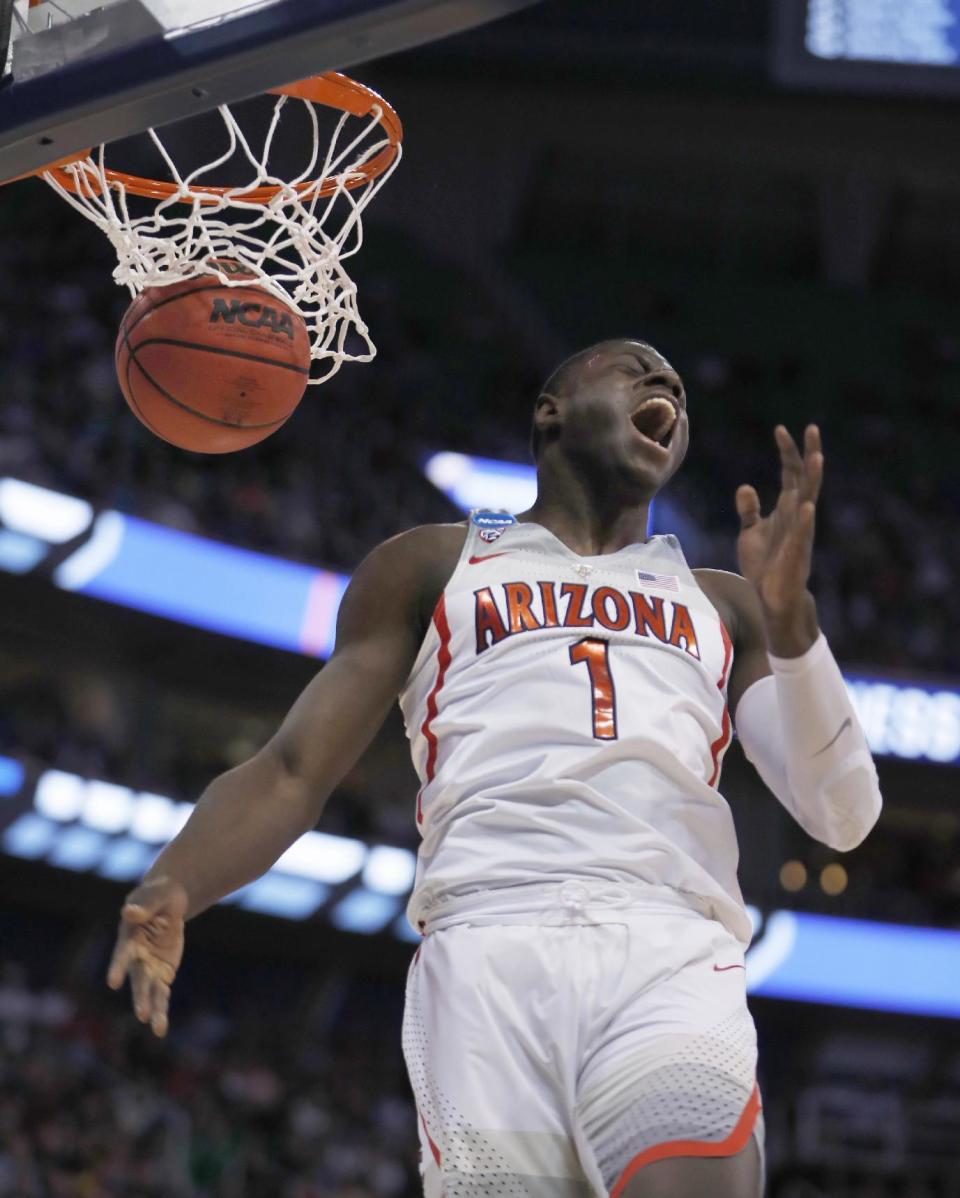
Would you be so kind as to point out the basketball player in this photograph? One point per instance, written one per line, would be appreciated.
(575, 1019)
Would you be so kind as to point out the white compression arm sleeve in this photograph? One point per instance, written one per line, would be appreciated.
(800, 731)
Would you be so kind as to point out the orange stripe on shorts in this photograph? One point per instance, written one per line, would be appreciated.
(736, 1140)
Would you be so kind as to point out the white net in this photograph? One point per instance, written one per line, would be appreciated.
(294, 240)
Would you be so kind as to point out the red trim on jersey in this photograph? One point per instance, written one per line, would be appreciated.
(433, 1148)
(733, 1144)
(443, 660)
(719, 746)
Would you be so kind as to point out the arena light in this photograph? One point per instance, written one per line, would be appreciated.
(767, 954)
(401, 930)
(156, 819)
(323, 858)
(11, 776)
(96, 818)
(94, 556)
(170, 573)
(59, 795)
(39, 512)
(279, 894)
(755, 915)
(912, 721)
(30, 836)
(363, 911)
(908, 47)
(107, 807)
(125, 859)
(389, 870)
(857, 963)
(206, 584)
(910, 32)
(472, 482)
(77, 848)
(19, 553)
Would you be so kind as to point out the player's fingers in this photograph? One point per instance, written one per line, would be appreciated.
(799, 540)
(119, 962)
(139, 906)
(807, 516)
(140, 984)
(813, 463)
(813, 478)
(160, 1007)
(142, 904)
(748, 506)
(791, 463)
(135, 913)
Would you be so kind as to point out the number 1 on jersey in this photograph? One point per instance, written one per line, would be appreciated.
(596, 653)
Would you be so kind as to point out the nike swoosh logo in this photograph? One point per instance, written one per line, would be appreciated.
(475, 561)
(846, 724)
(724, 968)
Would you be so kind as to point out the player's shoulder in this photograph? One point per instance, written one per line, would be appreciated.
(413, 567)
(732, 595)
(423, 543)
(726, 580)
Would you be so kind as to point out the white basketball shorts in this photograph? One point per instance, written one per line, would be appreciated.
(558, 1052)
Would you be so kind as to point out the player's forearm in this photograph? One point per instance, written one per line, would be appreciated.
(243, 821)
(800, 730)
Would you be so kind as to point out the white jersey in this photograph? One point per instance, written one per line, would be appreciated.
(568, 718)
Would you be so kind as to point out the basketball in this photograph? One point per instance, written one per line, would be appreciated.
(212, 368)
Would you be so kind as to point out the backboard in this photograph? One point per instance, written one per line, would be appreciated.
(82, 72)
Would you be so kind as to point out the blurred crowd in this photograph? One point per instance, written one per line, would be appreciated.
(305, 1096)
(886, 560)
(250, 1104)
(345, 472)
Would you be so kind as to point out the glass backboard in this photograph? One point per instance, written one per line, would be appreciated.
(82, 72)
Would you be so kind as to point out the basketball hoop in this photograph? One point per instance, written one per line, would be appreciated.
(292, 234)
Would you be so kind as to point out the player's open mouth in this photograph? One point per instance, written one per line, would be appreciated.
(656, 419)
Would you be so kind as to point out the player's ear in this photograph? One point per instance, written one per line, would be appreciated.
(547, 414)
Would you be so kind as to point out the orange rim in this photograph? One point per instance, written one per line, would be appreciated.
(331, 89)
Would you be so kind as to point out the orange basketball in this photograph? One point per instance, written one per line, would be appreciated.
(212, 368)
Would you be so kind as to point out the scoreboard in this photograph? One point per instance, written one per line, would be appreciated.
(887, 46)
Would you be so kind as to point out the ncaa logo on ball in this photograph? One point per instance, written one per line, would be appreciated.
(253, 315)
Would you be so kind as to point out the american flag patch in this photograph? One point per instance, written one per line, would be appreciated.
(666, 582)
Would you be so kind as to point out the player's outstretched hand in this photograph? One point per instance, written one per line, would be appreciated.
(149, 948)
(775, 551)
